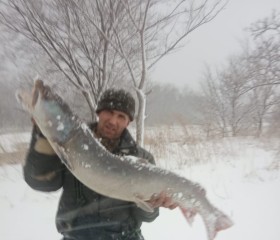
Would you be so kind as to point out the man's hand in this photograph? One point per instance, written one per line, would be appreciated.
(42, 145)
(162, 200)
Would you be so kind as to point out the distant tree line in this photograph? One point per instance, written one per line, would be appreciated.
(170, 105)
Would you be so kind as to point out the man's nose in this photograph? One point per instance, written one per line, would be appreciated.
(113, 120)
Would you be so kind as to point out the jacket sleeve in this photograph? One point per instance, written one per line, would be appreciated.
(138, 213)
(144, 216)
(42, 170)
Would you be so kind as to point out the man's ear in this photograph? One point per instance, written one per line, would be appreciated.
(128, 122)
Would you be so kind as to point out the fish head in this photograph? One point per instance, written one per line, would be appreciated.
(51, 114)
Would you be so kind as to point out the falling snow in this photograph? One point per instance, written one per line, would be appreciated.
(85, 146)
(60, 126)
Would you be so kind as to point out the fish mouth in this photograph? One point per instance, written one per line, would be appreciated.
(28, 99)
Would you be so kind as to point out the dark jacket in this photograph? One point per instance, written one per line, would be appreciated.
(80, 208)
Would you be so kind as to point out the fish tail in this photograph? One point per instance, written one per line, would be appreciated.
(216, 223)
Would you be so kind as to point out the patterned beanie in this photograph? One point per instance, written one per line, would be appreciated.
(117, 99)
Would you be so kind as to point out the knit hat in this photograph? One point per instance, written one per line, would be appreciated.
(117, 99)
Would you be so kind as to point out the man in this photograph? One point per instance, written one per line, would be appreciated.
(82, 213)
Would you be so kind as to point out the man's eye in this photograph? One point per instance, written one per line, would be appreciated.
(121, 117)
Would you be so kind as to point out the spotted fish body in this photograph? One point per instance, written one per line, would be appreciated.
(123, 178)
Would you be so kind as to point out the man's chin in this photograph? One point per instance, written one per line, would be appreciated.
(110, 135)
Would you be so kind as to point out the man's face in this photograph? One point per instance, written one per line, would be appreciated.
(112, 123)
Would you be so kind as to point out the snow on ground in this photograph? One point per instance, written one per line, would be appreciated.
(241, 177)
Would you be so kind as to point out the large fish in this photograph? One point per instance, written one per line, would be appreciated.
(122, 178)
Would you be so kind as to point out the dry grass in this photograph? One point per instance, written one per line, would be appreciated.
(175, 143)
(12, 158)
(16, 157)
(187, 145)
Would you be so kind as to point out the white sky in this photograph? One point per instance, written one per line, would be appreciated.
(212, 43)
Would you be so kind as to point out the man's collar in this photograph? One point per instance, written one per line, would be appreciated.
(127, 140)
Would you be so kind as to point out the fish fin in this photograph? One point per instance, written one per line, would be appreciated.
(189, 214)
(61, 152)
(143, 205)
(221, 222)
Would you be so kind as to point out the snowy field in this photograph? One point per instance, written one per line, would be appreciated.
(241, 177)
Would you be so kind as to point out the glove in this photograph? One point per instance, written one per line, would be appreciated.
(42, 144)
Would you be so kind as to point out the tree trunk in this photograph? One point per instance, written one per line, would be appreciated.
(260, 126)
(140, 120)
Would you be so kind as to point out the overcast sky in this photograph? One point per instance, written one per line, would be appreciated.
(212, 43)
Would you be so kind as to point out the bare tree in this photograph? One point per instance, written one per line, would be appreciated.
(233, 82)
(264, 67)
(213, 107)
(90, 42)
(69, 39)
(227, 104)
(246, 91)
(154, 29)
(266, 36)
(267, 25)
(264, 95)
